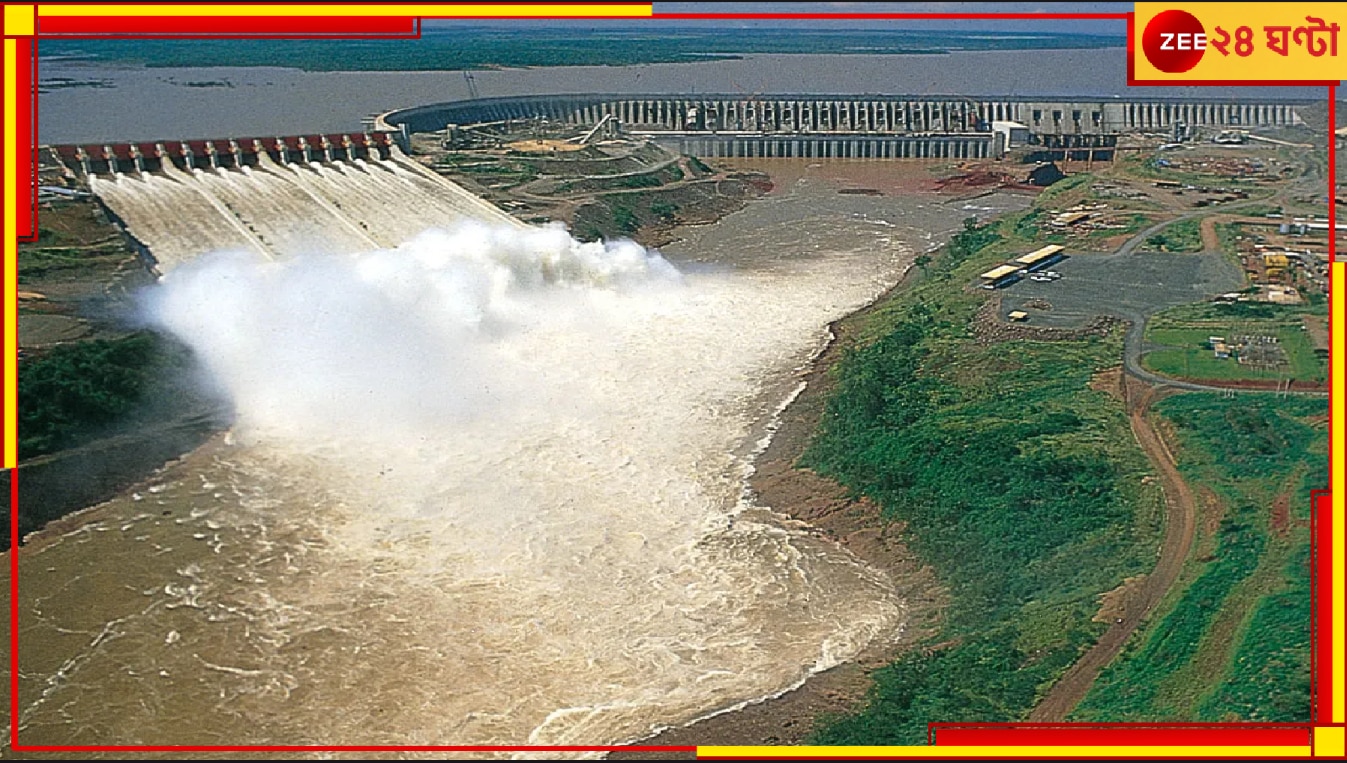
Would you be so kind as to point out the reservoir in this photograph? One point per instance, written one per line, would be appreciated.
(137, 103)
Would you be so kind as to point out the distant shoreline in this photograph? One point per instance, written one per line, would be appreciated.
(145, 104)
(486, 47)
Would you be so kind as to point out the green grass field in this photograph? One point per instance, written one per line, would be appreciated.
(1231, 643)
(1182, 237)
(1019, 483)
(1184, 333)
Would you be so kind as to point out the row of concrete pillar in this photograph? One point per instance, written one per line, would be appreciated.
(753, 115)
(1158, 115)
(866, 115)
(133, 158)
(796, 114)
(916, 147)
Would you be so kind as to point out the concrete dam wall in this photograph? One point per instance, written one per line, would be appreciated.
(865, 126)
(279, 205)
(856, 113)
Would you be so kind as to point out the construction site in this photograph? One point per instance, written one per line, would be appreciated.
(1215, 248)
(600, 182)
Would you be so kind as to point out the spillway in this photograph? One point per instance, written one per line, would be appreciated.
(451, 512)
(282, 208)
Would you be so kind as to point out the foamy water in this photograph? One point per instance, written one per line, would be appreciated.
(568, 558)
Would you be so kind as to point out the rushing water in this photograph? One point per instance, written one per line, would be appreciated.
(575, 560)
(285, 210)
(578, 561)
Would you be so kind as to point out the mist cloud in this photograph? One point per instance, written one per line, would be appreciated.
(394, 340)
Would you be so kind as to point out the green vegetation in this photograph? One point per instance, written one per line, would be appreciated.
(36, 262)
(1260, 210)
(1161, 168)
(1062, 187)
(1027, 224)
(1227, 234)
(1183, 333)
(627, 182)
(625, 219)
(1182, 236)
(1254, 442)
(491, 169)
(77, 389)
(663, 210)
(969, 241)
(1234, 644)
(1135, 222)
(483, 47)
(638, 181)
(1106, 238)
(1193, 357)
(1269, 679)
(1019, 484)
(1133, 689)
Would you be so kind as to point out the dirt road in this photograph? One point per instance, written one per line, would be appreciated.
(1180, 524)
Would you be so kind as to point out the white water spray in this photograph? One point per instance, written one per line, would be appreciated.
(485, 487)
(414, 338)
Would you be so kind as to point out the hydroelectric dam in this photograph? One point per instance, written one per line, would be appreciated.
(275, 197)
(861, 126)
(354, 192)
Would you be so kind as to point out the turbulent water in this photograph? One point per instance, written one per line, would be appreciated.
(486, 487)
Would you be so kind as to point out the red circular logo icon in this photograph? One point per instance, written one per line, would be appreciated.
(1174, 41)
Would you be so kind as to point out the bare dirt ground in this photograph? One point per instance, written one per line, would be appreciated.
(75, 280)
(1210, 241)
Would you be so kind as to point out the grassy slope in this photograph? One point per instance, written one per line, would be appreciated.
(1023, 488)
(1017, 482)
(1234, 643)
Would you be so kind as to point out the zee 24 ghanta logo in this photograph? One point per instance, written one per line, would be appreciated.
(1174, 41)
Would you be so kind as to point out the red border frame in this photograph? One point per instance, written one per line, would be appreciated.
(988, 734)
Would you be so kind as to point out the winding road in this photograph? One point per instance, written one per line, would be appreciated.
(1134, 340)
(1180, 505)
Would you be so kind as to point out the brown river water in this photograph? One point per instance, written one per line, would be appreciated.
(577, 560)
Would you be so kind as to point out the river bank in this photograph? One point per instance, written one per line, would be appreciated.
(858, 526)
(258, 534)
(803, 495)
